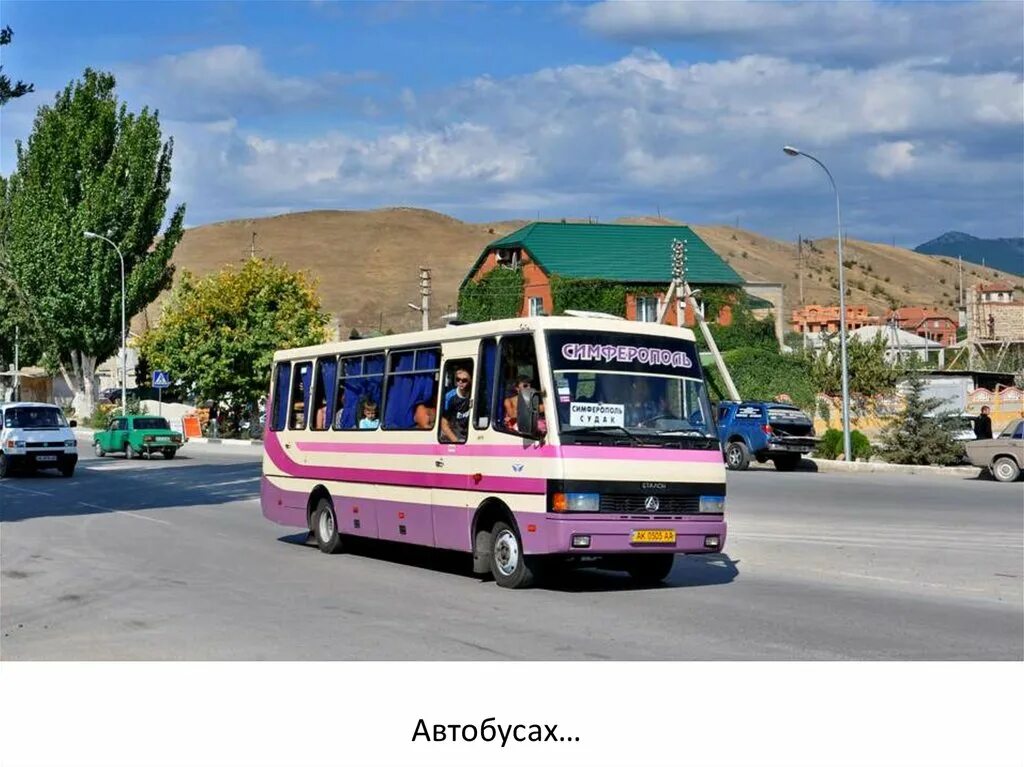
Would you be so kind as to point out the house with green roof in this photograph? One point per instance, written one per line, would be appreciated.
(629, 264)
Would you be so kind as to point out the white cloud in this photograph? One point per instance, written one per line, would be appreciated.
(228, 81)
(698, 139)
(889, 159)
(966, 35)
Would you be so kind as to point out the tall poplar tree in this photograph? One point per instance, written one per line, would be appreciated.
(90, 165)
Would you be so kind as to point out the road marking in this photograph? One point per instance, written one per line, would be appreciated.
(23, 490)
(122, 511)
(142, 516)
(895, 542)
(225, 484)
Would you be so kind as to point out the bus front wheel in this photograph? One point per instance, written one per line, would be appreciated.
(325, 528)
(508, 563)
(651, 569)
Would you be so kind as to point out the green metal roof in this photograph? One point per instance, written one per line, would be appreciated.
(620, 252)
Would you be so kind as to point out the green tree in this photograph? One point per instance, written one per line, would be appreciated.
(219, 334)
(920, 436)
(870, 373)
(90, 164)
(8, 90)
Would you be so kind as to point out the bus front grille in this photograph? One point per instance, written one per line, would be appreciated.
(637, 504)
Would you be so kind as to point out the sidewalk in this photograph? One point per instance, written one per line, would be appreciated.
(866, 467)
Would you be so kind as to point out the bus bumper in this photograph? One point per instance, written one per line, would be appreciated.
(583, 535)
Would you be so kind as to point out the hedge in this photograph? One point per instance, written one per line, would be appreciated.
(760, 374)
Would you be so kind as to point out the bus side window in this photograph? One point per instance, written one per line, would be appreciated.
(300, 395)
(279, 409)
(326, 370)
(518, 364)
(411, 389)
(457, 385)
(484, 398)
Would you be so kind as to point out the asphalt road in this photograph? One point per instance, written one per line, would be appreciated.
(173, 560)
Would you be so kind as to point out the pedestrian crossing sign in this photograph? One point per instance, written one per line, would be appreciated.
(160, 379)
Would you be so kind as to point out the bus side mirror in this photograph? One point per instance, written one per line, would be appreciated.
(528, 413)
(72, 423)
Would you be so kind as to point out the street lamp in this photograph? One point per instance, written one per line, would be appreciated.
(793, 152)
(124, 341)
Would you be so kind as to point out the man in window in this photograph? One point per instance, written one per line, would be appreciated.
(455, 416)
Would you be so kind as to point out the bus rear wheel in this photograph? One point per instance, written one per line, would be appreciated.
(508, 563)
(325, 528)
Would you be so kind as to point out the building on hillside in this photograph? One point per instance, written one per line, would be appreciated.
(901, 347)
(637, 257)
(814, 318)
(928, 322)
(994, 313)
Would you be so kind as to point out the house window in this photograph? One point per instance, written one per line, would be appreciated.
(647, 309)
(536, 306)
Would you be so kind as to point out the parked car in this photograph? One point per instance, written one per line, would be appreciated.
(1003, 456)
(137, 435)
(766, 431)
(36, 435)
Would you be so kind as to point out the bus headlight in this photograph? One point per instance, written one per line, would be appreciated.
(576, 502)
(712, 504)
(69, 443)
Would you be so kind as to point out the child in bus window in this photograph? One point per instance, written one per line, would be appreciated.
(369, 419)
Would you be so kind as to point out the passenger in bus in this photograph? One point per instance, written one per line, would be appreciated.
(512, 403)
(423, 415)
(455, 416)
(369, 419)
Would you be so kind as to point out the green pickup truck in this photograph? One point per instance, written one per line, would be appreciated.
(134, 435)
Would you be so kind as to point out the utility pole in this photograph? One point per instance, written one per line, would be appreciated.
(679, 291)
(424, 307)
(252, 247)
(800, 265)
(17, 369)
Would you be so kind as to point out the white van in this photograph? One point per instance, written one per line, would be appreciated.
(36, 435)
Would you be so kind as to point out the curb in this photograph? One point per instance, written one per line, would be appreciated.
(866, 467)
(226, 442)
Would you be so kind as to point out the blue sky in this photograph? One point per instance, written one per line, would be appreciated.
(490, 111)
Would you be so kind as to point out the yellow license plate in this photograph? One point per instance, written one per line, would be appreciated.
(653, 536)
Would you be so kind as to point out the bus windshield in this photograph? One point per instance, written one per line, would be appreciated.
(635, 385)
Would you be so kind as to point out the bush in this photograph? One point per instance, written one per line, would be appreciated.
(831, 445)
(760, 374)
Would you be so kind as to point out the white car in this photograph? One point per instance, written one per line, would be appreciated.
(36, 435)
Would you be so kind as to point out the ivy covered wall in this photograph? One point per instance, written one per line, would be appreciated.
(497, 295)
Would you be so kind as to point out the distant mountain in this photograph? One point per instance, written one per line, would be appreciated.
(1005, 253)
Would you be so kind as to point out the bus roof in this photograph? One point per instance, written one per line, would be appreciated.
(484, 329)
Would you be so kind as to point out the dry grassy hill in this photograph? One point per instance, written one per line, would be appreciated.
(367, 262)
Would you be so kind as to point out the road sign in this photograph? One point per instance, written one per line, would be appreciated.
(161, 380)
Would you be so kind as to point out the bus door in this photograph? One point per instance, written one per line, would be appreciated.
(454, 466)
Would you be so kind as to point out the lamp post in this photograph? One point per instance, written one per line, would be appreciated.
(793, 152)
(124, 340)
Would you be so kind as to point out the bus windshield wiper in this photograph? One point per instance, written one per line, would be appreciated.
(681, 433)
(591, 429)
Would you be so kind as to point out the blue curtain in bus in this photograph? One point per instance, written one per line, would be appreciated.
(351, 391)
(329, 371)
(487, 363)
(423, 383)
(280, 412)
(306, 371)
(398, 409)
(373, 370)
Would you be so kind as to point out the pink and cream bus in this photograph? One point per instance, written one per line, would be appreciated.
(523, 442)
